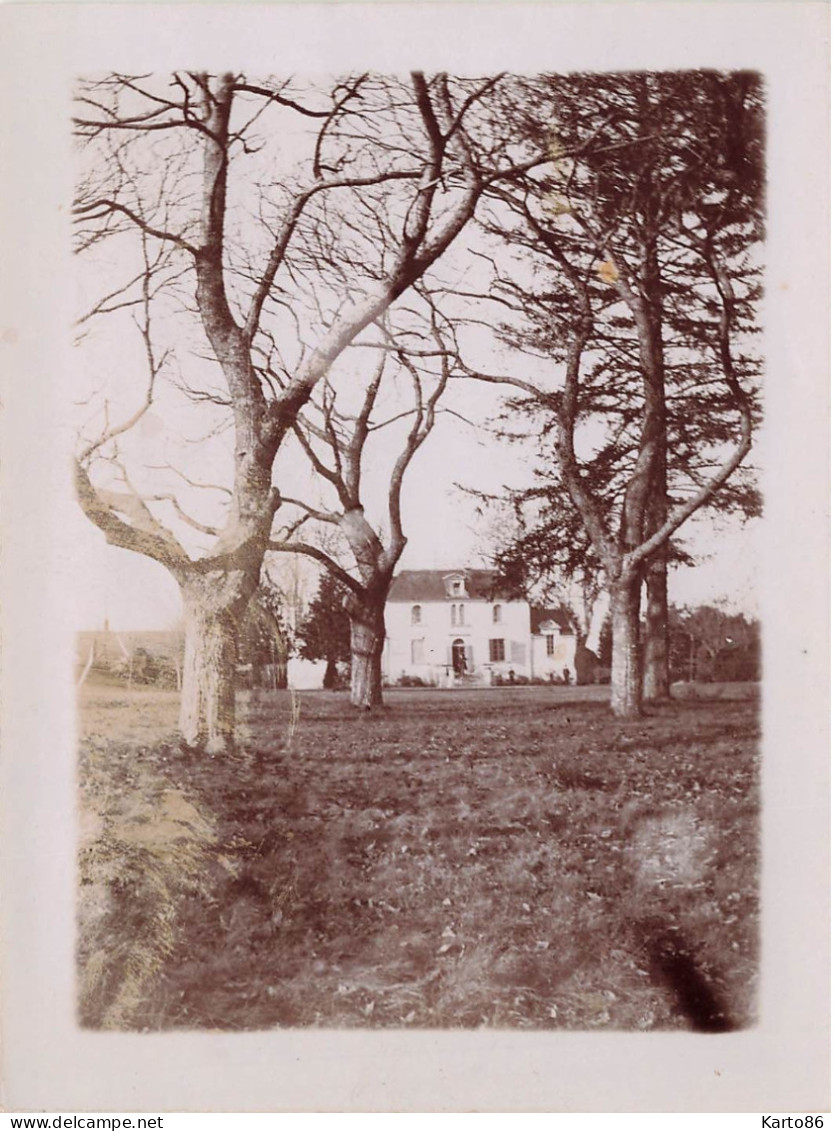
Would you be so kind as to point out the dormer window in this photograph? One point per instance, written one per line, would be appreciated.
(455, 585)
(416, 614)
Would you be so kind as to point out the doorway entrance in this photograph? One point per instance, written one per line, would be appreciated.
(458, 657)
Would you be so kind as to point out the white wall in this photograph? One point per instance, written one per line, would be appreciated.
(564, 656)
(305, 675)
(438, 633)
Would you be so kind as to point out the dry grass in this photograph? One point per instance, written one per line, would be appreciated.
(512, 858)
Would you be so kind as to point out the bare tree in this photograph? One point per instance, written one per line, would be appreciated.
(335, 441)
(236, 193)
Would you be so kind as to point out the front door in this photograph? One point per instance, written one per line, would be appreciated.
(458, 657)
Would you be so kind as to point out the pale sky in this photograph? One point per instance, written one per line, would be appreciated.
(440, 521)
(443, 530)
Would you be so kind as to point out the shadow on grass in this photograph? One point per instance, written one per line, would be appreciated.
(439, 867)
(673, 966)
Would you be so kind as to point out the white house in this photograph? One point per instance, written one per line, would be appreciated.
(450, 627)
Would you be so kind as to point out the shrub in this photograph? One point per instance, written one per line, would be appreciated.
(413, 681)
(500, 680)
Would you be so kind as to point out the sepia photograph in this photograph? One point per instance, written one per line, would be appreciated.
(417, 500)
(337, 791)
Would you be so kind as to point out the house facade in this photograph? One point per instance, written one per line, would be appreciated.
(453, 627)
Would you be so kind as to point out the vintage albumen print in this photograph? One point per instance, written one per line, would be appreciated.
(417, 418)
(516, 789)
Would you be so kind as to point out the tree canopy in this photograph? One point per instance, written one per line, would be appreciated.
(256, 237)
(641, 236)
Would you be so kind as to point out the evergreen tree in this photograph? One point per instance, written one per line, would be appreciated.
(325, 632)
(643, 294)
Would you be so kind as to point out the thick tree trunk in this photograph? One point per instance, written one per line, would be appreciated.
(367, 642)
(626, 670)
(367, 610)
(656, 683)
(212, 607)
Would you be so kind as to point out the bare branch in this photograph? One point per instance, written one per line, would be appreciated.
(191, 482)
(96, 209)
(321, 516)
(280, 99)
(318, 555)
(183, 515)
(142, 534)
(289, 225)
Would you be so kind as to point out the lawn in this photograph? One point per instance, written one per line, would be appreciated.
(512, 858)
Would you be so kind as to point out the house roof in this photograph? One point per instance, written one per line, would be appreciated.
(429, 585)
(559, 617)
(413, 586)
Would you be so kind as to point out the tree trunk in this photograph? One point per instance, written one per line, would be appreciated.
(367, 642)
(656, 683)
(367, 609)
(626, 674)
(207, 707)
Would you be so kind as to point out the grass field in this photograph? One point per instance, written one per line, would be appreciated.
(509, 858)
